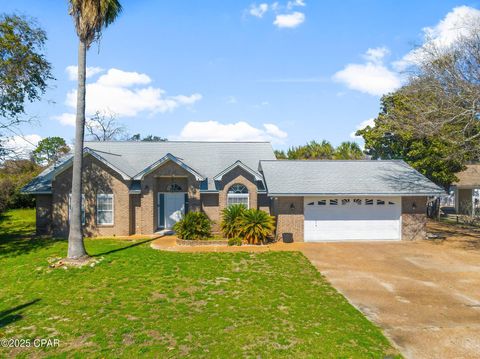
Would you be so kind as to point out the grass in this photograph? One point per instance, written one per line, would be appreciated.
(139, 301)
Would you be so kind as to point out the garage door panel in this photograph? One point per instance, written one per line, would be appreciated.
(352, 221)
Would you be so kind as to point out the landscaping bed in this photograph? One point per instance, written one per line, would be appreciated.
(201, 242)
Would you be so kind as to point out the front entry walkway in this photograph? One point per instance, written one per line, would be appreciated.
(425, 296)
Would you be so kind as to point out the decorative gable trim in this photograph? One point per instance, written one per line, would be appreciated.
(256, 175)
(88, 151)
(163, 160)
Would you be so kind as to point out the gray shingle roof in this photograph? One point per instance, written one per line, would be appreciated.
(284, 177)
(43, 182)
(206, 158)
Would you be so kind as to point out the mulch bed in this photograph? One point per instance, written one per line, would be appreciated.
(207, 242)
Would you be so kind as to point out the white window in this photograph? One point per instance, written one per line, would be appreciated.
(104, 208)
(238, 194)
(70, 207)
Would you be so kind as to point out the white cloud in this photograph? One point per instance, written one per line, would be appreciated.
(258, 10)
(289, 20)
(294, 3)
(376, 55)
(372, 77)
(119, 78)
(66, 119)
(239, 131)
(370, 122)
(376, 78)
(284, 17)
(274, 131)
(21, 146)
(126, 95)
(443, 35)
(72, 72)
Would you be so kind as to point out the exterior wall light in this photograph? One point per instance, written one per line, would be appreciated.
(414, 206)
(292, 207)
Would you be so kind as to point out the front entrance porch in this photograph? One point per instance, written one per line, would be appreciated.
(171, 208)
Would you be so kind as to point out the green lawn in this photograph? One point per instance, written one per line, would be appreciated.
(161, 304)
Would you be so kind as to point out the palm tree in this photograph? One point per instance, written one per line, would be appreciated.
(90, 18)
(348, 151)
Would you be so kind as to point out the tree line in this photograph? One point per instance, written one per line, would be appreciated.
(433, 121)
(323, 150)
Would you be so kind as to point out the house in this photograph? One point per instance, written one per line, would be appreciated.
(464, 189)
(142, 187)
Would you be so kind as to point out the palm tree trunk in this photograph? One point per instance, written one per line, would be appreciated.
(76, 248)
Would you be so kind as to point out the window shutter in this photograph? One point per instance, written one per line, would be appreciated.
(161, 210)
(186, 203)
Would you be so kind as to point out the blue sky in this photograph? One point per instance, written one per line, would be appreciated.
(283, 71)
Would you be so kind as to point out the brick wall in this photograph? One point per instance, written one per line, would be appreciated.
(414, 220)
(97, 178)
(289, 219)
(210, 206)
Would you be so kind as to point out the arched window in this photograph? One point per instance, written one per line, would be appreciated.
(174, 187)
(238, 194)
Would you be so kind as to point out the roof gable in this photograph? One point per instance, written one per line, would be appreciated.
(255, 174)
(168, 157)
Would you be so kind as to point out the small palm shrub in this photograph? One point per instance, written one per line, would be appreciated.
(194, 225)
(230, 220)
(256, 226)
(235, 241)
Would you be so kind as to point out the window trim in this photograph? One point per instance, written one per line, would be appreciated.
(173, 188)
(235, 185)
(232, 194)
(105, 195)
(238, 195)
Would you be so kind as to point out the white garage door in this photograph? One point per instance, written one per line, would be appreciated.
(352, 218)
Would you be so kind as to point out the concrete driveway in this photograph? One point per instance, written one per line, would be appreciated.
(425, 296)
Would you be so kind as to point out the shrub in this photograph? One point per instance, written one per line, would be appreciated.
(194, 225)
(256, 226)
(14, 174)
(230, 220)
(235, 241)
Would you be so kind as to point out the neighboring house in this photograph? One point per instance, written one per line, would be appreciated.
(142, 187)
(464, 189)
